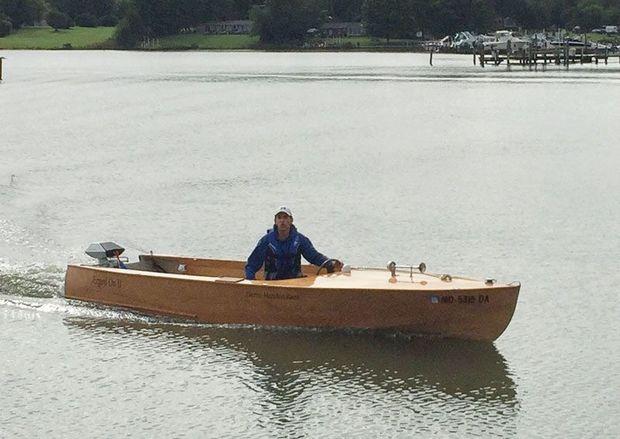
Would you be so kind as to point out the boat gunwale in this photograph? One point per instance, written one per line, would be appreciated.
(447, 287)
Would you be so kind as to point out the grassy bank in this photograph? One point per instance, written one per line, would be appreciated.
(101, 38)
(48, 38)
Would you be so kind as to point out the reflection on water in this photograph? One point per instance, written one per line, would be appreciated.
(291, 368)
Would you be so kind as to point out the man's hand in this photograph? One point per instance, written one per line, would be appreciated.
(336, 265)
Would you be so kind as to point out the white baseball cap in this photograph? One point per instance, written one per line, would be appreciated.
(284, 209)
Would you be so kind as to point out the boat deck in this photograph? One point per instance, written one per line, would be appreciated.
(210, 270)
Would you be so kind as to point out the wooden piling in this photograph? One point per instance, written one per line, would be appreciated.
(1, 58)
(508, 50)
(529, 56)
(431, 60)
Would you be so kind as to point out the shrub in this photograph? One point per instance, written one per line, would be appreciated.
(86, 20)
(58, 20)
(6, 27)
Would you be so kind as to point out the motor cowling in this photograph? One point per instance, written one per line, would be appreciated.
(106, 253)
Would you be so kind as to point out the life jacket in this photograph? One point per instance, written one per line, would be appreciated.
(283, 258)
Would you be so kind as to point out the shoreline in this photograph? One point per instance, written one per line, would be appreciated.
(102, 38)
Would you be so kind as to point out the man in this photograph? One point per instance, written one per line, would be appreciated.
(280, 250)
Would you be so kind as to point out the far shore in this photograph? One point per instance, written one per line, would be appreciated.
(102, 38)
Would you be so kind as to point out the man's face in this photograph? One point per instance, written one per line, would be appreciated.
(283, 222)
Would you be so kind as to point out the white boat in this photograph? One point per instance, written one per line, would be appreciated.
(503, 40)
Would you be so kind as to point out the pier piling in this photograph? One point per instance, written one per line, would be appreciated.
(562, 54)
(508, 52)
(1, 58)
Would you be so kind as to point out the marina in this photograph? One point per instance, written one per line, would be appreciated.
(504, 47)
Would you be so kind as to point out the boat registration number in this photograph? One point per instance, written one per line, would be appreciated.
(105, 282)
(461, 299)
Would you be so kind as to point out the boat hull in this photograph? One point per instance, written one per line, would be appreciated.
(473, 313)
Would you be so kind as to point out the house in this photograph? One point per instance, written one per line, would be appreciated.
(226, 27)
(343, 29)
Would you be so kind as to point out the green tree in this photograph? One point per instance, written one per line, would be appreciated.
(390, 18)
(58, 20)
(559, 13)
(75, 8)
(589, 14)
(447, 17)
(286, 21)
(6, 27)
(612, 15)
(130, 30)
(345, 10)
(86, 20)
(166, 17)
(483, 16)
(23, 12)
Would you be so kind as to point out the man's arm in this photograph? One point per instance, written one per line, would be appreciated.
(256, 259)
(310, 253)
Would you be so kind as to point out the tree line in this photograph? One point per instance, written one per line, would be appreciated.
(288, 21)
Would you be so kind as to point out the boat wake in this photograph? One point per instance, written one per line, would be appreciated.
(32, 281)
(67, 308)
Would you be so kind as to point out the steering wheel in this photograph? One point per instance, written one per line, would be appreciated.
(324, 265)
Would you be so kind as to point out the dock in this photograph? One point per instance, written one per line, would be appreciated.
(560, 54)
(563, 55)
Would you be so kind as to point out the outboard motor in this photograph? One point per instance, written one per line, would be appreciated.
(107, 254)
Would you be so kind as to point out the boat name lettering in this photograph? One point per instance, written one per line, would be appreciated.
(461, 299)
(272, 295)
(105, 282)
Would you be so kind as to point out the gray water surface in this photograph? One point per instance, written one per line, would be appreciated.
(480, 172)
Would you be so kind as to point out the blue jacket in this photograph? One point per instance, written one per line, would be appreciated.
(282, 259)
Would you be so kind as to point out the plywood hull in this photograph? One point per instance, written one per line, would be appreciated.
(338, 300)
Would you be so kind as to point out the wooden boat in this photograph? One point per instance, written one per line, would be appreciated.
(398, 299)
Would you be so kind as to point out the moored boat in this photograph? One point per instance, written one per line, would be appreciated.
(397, 299)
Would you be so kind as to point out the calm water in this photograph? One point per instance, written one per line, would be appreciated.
(481, 172)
